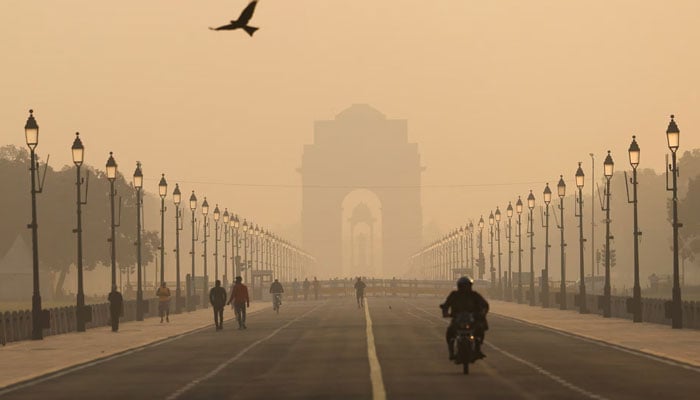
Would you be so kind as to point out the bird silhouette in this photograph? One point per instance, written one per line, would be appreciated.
(242, 21)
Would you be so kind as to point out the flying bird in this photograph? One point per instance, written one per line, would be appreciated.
(242, 21)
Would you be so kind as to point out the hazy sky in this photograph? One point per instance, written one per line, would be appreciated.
(500, 92)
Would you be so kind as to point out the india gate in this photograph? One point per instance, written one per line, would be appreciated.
(361, 197)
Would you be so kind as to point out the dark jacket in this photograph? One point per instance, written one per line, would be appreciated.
(276, 287)
(465, 301)
(116, 303)
(217, 297)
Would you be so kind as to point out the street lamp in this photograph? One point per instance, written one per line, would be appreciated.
(492, 270)
(634, 154)
(205, 234)
(225, 228)
(191, 289)
(673, 138)
(608, 166)
(177, 199)
(162, 192)
(531, 234)
(519, 211)
(582, 283)
(245, 248)
(111, 168)
(138, 185)
(509, 278)
(217, 238)
(497, 215)
(78, 152)
(471, 247)
(547, 198)
(482, 261)
(31, 133)
(561, 192)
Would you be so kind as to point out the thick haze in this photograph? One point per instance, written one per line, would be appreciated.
(498, 92)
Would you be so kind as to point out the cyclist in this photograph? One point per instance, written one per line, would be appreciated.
(276, 289)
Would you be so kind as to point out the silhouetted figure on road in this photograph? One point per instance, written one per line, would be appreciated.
(360, 292)
(163, 294)
(240, 300)
(116, 307)
(306, 286)
(217, 299)
(295, 289)
(242, 21)
(462, 300)
(317, 288)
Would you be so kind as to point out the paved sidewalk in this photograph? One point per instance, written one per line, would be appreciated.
(681, 345)
(30, 359)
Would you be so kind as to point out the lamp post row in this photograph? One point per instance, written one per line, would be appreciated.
(428, 258)
(290, 259)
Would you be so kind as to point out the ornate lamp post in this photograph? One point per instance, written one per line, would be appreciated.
(245, 228)
(482, 261)
(138, 185)
(497, 215)
(531, 234)
(509, 237)
(547, 198)
(608, 166)
(111, 167)
(673, 138)
(217, 238)
(192, 290)
(162, 192)
(177, 199)
(471, 247)
(582, 283)
(235, 224)
(634, 154)
(205, 234)
(492, 222)
(78, 152)
(561, 192)
(519, 211)
(225, 228)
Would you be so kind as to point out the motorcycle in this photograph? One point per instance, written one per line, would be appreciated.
(465, 343)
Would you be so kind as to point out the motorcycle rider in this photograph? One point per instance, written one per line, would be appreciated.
(276, 289)
(464, 299)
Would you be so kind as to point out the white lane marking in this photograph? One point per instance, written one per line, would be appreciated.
(53, 375)
(375, 370)
(639, 353)
(539, 369)
(240, 354)
(548, 374)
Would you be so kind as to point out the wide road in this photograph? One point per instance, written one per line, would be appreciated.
(320, 350)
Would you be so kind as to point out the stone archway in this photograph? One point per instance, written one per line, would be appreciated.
(361, 149)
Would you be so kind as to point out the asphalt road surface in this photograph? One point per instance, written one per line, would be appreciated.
(320, 350)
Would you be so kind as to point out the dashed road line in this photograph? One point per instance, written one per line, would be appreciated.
(375, 370)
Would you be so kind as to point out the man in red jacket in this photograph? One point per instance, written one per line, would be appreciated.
(240, 300)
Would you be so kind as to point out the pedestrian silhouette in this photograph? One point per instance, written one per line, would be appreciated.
(242, 21)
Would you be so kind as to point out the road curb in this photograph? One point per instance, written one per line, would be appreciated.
(664, 358)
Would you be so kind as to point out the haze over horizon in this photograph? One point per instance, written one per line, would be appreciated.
(503, 94)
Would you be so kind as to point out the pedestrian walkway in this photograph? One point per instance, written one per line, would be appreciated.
(26, 360)
(682, 345)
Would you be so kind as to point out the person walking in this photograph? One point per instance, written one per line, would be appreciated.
(317, 288)
(306, 286)
(217, 299)
(360, 292)
(163, 294)
(116, 307)
(241, 300)
(295, 289)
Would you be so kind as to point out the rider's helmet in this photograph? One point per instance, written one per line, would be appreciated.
(465, 282)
